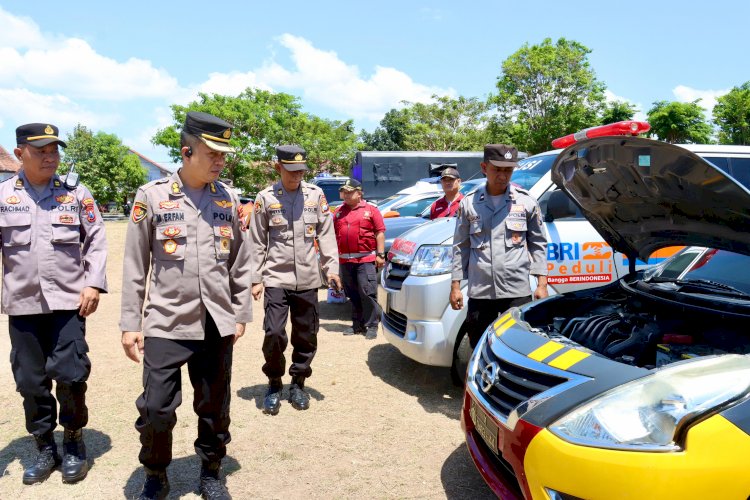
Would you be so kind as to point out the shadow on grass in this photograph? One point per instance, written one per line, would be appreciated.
(183, 474)
(431, 385)
(256, 393)
(24, 449)
(461, 479)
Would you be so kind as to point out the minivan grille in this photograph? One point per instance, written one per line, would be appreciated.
(396, 275)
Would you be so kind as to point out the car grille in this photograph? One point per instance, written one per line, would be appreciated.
(395, 322)
(396, 275)
(514, 383)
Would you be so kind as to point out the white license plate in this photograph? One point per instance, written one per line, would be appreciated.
(484, 425)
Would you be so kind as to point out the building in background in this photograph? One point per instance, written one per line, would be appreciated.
(155, 171)
(8, 164)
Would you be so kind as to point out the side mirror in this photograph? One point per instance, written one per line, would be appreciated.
(391, 213)
(559, 206)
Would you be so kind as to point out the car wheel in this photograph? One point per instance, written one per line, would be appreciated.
(461, 355)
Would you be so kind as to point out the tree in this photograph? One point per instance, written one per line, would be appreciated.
(103, 164)
(732, 116)
(446, 124)
(546, 91)
(617, 111)
(262, 120)
(682, 122)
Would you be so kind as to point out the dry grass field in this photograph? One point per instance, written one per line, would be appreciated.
(379, 424)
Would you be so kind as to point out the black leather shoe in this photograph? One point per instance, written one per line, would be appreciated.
(297, 396)
(212, 487)
(371, 333)
(272, 401)
(46, 461)
(156, 485)
(354, 331)
(75, 467)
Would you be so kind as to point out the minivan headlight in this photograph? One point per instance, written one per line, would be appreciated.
(431, 260)
(646, 414)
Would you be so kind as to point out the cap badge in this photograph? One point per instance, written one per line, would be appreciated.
(171, 231)
(169, 205)
(224, 203)
(13, 200)
(298, 157)
(170, 246)
(508, 155)
(139, 212)
(175, 188)
(227, 134)
(49, 130)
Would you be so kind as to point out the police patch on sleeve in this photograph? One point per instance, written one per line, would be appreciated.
(139, 212)
(258, 205)
(323, 205)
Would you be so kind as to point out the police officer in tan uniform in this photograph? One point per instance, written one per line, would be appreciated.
(186, 230)
(54, 257)
(499, 240)
(288, 218)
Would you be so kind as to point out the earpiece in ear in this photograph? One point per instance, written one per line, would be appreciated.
(189, 152)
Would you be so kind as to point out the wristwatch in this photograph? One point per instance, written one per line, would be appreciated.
(382, 255)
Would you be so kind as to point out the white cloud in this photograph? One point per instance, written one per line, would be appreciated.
(35, 60)
(24, 106)
(707, 98)
(639, 115)
(231, 83)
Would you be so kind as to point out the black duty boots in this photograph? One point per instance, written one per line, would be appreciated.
(272, 401)
(212, 487)
(74, 463)
(156, 486)
(297, 396)
(46, 461)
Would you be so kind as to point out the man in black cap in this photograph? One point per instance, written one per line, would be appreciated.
(54, 258)
(289, 217)
(198, 302)
(360, 234)
(447, 205)
(499, 240)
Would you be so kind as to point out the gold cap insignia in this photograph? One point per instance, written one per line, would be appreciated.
(49, 130)
(298, 157)
(227, 133)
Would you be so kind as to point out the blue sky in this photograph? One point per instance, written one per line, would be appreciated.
(118, 66)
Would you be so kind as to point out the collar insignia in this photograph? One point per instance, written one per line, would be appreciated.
(175, 188)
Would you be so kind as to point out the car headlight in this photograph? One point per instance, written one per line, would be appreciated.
(647, 414)
(431, 260)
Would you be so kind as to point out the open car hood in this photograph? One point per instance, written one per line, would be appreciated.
(642, 195)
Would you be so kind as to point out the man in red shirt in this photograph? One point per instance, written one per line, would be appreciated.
(448, 204)
(360, 233)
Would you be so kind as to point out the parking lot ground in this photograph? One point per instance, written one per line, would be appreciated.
(379, 424)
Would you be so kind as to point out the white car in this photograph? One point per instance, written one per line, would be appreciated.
(410, 201)
(415, 283)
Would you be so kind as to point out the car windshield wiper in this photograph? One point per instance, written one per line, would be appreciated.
(702, 284)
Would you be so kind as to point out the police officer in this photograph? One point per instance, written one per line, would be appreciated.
(360, 234)
(447, 205)
(54, 259)
(499, 240)
(289, 217)
(186, 229)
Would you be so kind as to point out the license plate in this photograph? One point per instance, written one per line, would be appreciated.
(484, 425)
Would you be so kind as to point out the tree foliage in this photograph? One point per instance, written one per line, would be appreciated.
(446, 124)
(103, 164)
(617, 111)
(263, 120)
(679, 122)
(732, 116)
(547, 91)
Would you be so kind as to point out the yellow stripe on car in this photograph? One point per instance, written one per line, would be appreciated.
(545, 351)
(568, 359)
(507, 324)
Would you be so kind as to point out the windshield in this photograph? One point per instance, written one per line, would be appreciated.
(392, 200)
(707, 266)
(532, 169)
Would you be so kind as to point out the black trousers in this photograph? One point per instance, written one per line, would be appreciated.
(360, 285)
(303, 304)
(210, 368)
(482, 312)
(47, 347)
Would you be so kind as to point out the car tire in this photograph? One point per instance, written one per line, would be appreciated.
(461, 354)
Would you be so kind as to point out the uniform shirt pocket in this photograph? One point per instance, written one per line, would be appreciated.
(67, 232)
(475, 234)
(171, 240)
(515, 234)
(223, 236)
(278, 228)
(311, 225)
(16, 229)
